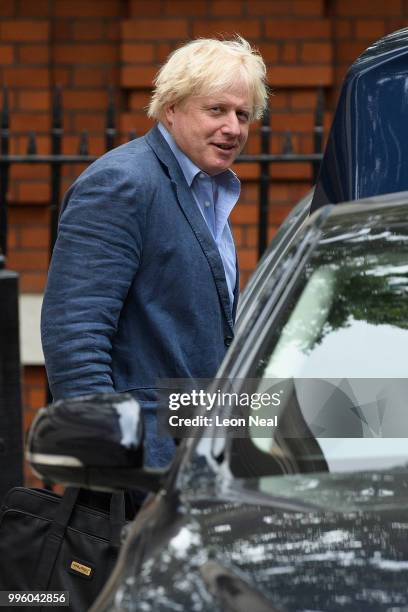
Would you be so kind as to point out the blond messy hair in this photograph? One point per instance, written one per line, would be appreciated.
(206, 66)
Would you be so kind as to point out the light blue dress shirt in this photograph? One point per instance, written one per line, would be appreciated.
(216, 196)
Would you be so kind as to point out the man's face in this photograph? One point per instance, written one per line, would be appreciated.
(211, 130)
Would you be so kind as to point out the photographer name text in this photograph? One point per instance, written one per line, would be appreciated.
(220, 421)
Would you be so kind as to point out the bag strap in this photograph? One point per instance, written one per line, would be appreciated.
(116, 517)
(53, 540)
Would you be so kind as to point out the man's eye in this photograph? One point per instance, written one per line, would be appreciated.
(243, 116)
(215, 109)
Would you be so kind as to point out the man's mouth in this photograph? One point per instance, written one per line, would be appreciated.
(224, 146)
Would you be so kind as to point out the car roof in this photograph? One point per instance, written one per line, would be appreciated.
(367, 148)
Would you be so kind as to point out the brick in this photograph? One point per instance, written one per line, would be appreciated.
(246, 170)
(269, 52)
(28, 414)
(251, 237)
(35, 237)
(227, 8)
(288, 53)
(84, 54)
(248, 28)
(279, 193)
(24, 122)
(238, 233)
(82, 99)
(12, 238)
(298, 29)
(342, 28)
(87, 8)
(33, 282)
(34, 78)
(95, 76)
(247, 213)
(298, 191)
(303, 100)
(96, 146)
(39, 8)
(34, 100)
(137, 76)
(154, 29)
(373, 8)
(37, 397)
(249, 193)
(348, 51)
(34, 375)
(132, 121)
(395, 23)
(291, 171)
(247, 259)
(137, 54)
(311, 8)
(24, 30)
(278, 100)
(29, 171)
(61, 76)
(300, 76)
(93, 123)
(62, 30)
(316, 53)
(6, 54)
(163, 50)
(34, 54)
(33, 192)
(29, 259)
(278, 213)
(25, 214)
(8, 8)
(86, 30)
(369, 29)
(264, 8)
(179, 8)
(112, 30)
(138, 100)
(152, 8)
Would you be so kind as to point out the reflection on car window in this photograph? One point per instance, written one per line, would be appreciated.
(346, 319)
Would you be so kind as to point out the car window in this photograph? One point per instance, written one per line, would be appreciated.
(339, 343)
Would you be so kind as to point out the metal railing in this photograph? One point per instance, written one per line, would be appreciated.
(56, 159)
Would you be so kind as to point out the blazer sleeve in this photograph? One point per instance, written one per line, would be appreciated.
(96, 256)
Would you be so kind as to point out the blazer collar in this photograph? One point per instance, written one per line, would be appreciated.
(194, 218)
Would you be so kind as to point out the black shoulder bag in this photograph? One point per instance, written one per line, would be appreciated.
(53, 543)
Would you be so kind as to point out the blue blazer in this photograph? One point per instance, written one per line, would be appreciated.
(136, 289)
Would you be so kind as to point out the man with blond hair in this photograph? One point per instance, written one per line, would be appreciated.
(143, 282)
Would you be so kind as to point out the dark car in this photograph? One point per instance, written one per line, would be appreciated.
(308, 513)
(298, 502)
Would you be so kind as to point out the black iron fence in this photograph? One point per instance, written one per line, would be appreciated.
(56, 159)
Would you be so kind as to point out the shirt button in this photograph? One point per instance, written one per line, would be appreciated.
(228, 340)
(207, 204)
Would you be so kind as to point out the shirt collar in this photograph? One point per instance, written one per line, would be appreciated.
(190, 170)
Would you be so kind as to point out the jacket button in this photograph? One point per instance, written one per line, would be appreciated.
(228, 340)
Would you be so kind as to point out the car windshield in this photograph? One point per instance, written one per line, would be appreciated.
(336, 354)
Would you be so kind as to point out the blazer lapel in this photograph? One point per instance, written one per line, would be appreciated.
(194, 218)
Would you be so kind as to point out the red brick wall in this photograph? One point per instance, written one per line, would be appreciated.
(85, 45)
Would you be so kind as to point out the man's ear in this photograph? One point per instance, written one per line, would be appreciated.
(169, 114)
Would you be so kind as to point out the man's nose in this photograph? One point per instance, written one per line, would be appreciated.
(231, 125)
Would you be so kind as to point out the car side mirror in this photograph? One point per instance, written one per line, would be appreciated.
(93, 441)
